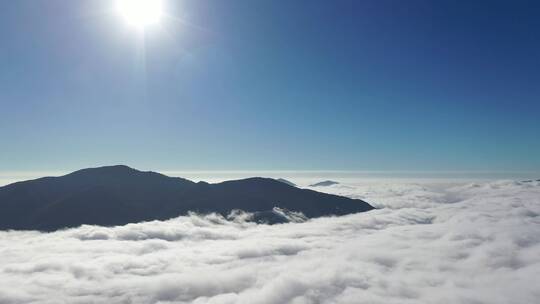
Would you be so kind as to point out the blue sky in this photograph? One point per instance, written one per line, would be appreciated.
(272, 85)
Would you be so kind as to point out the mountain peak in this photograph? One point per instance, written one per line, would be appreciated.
(108, 169)
(325, 183)
(114, 171)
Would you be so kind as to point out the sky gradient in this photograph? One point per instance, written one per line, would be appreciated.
(268, 85)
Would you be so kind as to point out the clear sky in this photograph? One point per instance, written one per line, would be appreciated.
(263, 85)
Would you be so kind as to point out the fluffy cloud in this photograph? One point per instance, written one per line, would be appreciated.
(428, 243)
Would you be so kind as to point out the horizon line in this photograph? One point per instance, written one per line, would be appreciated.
(25, 172)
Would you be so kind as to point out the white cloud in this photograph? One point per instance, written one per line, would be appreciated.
(429, 243)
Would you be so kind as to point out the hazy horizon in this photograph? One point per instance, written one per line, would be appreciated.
(304, 177)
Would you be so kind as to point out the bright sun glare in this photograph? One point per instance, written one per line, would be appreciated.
(140, 13)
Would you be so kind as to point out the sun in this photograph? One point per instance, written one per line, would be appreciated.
(140, 13)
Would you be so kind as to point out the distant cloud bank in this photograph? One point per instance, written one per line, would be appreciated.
(429, 243)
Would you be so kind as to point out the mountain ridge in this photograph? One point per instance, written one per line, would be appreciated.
(116, 195)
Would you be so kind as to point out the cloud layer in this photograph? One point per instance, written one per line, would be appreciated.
(429, 243)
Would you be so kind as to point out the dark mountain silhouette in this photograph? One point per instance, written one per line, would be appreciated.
(325, 183)
(117, 195)
(286, 182)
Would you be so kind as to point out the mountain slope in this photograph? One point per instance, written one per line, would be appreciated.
(286, 182)
(117, 195)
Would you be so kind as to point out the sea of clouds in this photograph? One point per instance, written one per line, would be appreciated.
(429, 242)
